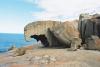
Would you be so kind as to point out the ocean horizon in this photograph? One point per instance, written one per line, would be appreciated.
(9, 39)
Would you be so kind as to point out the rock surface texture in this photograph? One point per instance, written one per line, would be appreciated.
(89, 28)
(52, 58)
(54, 33)
(38, 30)
(66, 35)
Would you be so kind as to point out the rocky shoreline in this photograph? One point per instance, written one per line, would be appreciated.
(50, 57)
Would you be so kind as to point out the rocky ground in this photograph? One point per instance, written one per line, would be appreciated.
(51, 57)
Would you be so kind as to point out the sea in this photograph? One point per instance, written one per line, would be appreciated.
(8, 39)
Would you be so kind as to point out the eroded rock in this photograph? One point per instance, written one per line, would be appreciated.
(54, 33)
(89, 26)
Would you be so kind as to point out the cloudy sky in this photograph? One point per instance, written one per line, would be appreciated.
(15, 14)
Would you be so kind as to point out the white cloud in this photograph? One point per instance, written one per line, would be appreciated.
(65, 9)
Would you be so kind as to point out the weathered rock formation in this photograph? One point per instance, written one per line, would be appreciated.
(54, 33)
(93, 43)
(38, 30)
(67, 34)
(89, 27)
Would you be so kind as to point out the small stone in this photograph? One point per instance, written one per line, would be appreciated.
(45, 56)
(37, 59)
(52, 59)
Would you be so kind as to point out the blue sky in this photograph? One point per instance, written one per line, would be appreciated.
(15, 14)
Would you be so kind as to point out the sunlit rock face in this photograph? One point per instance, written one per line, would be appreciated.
(66, 35)
(54, 33)
(38, 30)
